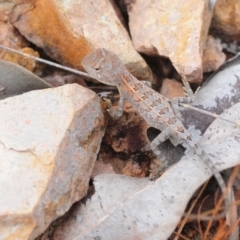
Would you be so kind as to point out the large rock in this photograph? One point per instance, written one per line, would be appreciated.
(175, 30)
(69, 31)
(213, 57)
(226, 19)
(8, 33)
(49, 140)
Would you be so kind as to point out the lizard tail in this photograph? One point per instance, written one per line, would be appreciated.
(228, 196)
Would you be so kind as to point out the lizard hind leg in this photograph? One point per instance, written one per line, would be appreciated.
(162, 137)
(114, 113)
(175, 141)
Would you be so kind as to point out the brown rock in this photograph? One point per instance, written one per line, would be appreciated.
(101, 167)
(49, 140)
(116, 163)
(127, 134)
(128, 138)
(171, 88)
(226, 19)
(177, 31)
(8, 33)
(213, 57)
(68, 32)
(134, 169)
(25, 62)
(11, 38)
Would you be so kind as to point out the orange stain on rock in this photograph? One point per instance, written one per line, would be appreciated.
(51, 28)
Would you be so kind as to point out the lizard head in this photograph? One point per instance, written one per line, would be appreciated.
(105, 66)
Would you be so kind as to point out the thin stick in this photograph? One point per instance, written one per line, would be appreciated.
(88, 76)
(46, 62)
(208, 113)
(185, 219)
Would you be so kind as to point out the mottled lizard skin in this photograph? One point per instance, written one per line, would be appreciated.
(107, 67)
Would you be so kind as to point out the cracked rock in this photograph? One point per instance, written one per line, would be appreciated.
(176, 31)
(71, 31)
(49, 140)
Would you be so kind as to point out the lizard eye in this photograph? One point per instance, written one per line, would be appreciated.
(97, 69)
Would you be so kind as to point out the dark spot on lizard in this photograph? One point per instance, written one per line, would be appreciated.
(135, 88)
(139, 84)
(154, 104)
(174, 119)
(167, 109)
(150, 92)
(169, 121)
(144, 96)
(189, 138)
(126, 76)
(161, 112)
(136, 99)
(180, 129)
(158, 118)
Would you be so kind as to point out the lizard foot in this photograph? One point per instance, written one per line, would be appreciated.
(114, 113)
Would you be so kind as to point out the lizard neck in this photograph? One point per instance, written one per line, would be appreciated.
(127, 79)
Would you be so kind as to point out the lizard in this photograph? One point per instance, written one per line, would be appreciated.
(107, 67)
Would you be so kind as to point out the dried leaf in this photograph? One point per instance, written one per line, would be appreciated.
(17, 80)
(140, 209)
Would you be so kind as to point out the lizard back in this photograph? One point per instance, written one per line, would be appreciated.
(152, 106)
(107, 67)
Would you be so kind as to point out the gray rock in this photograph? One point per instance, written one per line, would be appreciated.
(49, 140)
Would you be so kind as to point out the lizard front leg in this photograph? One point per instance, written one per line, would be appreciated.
(115, 113)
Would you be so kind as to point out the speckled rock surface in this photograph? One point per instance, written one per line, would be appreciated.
(49, 140)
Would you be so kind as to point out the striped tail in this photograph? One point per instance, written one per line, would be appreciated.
(228, 198)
